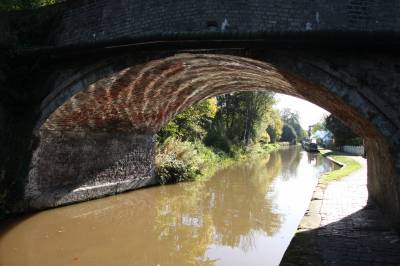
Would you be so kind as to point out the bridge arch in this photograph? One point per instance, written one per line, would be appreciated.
(97, 125)
(85, 100)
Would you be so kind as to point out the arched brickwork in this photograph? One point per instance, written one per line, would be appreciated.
(140, 98)
(107, 116)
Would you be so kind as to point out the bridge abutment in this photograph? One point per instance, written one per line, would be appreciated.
(73, 166)
(384, 178)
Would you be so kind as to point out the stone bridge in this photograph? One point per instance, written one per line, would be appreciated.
(86, 84)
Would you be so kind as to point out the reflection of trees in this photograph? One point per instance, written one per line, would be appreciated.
(227, 209)
(174, 225)
(291, 160)
(183, 224)
(323, 164)
(241, 204)
(170, 225)
(274, 164)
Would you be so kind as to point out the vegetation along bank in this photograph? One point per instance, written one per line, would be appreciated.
(221, 130)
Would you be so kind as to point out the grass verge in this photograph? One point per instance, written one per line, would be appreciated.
(349, 165)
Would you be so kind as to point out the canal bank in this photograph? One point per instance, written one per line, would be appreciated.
(341, 227)
(179, 161)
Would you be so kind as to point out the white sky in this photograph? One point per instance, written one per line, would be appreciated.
(309, 113)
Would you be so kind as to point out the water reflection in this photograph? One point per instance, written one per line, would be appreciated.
(241, 215)
(291, 162)
(241, 202)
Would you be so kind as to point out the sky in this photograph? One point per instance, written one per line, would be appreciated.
(309, 113)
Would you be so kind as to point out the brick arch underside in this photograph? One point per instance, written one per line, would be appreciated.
(142, 98)
(99, 140)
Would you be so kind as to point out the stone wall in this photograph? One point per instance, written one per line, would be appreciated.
(93, 21)
(96, 21)
(74, 166)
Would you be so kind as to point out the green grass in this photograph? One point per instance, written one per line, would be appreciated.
(349, 165)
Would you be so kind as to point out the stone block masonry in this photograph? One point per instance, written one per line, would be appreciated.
(88, 22)
(95, 21)
(74, 166)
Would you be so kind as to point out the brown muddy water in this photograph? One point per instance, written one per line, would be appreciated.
(245, 214)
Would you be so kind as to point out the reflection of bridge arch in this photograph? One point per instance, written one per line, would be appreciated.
(94, 112)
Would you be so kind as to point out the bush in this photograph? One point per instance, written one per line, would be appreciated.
(170, 170)
(178, 160)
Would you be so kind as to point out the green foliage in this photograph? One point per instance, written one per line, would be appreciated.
(275, 126)
(178, 160)
(292, 119)
(24, 4)
(288, 134)
(341, 133)
(236, 126)
(265, 138)
(318, 126)
(192, 124)
(242, 119)
(170, 170)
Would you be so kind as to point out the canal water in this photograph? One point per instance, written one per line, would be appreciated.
(245, 214)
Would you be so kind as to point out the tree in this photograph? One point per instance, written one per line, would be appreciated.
(292, 119)
(191, 124)
(318, 126)
(288, 134)
(274, 128)
(341, 133)
(24, 4)
(241, 119)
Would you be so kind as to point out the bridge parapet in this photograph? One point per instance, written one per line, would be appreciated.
(104, 21)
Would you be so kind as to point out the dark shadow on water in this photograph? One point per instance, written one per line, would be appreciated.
(8, 224)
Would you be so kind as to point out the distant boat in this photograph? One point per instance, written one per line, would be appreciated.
(309, 146)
